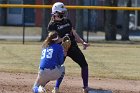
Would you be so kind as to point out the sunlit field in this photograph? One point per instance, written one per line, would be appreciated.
(119, 61)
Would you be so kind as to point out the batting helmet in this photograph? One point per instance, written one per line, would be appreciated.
(59, 10)
(58, 7)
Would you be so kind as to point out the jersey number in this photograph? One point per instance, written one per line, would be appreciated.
(48, 53)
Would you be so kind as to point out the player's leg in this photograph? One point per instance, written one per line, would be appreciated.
(45, 76)
(56, 73)
(40, 82)
(58, 82)
(77, 56)
(57, 85)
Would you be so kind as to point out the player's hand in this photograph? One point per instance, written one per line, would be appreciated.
(85, 45)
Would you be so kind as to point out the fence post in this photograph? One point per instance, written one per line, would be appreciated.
(23, 24)
(88, 29)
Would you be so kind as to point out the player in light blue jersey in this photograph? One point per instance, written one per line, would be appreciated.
(51, 63)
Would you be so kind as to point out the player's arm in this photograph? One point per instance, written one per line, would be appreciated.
(79, 39)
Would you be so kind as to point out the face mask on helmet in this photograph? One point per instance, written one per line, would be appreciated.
(60, 14)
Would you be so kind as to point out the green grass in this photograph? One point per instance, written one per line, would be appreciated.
(120, 61)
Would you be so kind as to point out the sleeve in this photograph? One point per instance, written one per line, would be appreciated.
(51, 27)
(60, 55)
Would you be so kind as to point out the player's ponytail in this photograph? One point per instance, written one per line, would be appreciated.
(51, 38)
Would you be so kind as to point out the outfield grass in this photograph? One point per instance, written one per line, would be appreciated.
(119, 61)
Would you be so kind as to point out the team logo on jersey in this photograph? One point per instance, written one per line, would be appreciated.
(62, 26)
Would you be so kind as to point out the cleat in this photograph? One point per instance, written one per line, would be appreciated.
(41, 90)
(87, 90)
(55, 90)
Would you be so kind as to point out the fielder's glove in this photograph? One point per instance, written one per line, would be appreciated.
(66, 43)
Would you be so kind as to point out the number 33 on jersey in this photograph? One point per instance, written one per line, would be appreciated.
(47, 53)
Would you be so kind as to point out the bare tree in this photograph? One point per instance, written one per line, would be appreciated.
(125, 30)
(45, 20)
(110, 20)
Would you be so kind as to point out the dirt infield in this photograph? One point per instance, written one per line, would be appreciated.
(22, 83)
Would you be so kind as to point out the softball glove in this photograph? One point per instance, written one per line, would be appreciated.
(66, 43)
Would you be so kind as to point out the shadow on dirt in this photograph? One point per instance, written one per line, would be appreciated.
(99, 91)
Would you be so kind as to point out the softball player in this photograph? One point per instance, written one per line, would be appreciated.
(51, 63)
(63, 26)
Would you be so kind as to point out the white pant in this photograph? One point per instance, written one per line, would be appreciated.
(46, 75)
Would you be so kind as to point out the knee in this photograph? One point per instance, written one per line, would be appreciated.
(62, 75)
(84, 66)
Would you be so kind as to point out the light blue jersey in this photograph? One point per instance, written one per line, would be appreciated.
(52, 56)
